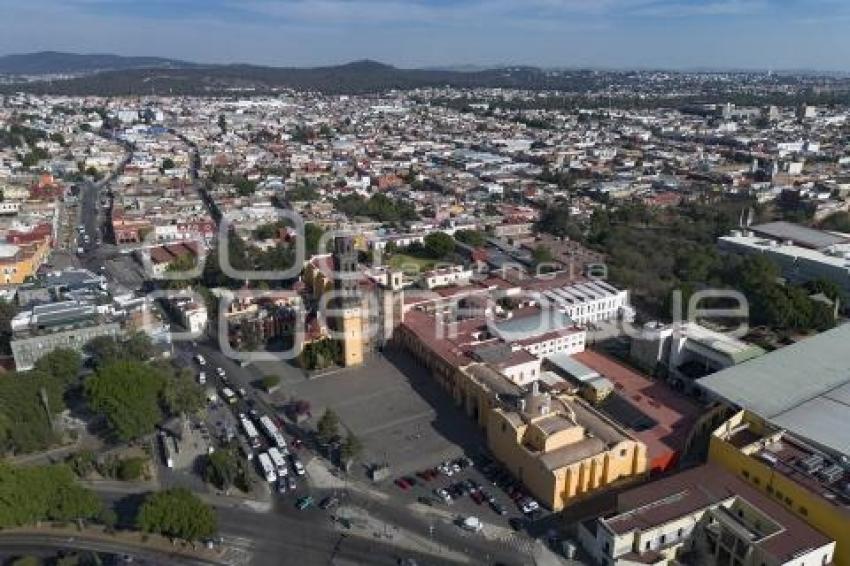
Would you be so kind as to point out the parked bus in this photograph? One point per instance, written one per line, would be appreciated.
(250, 431)
(267, 468)
(272, 432)
(278, 461)
(278, 440)
(228, 395)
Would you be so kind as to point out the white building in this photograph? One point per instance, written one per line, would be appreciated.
(454, 275)
(592, 301)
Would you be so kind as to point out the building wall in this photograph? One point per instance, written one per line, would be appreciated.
(352, 343)
(810, 507)
(27, 351)
(560, 487)
(25, 263)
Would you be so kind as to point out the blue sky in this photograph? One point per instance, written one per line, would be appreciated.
(763, 34)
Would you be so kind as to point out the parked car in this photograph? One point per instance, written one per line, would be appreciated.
(528, 505)
(411, 481)
(498, 508)
(290, 482)
(443, 495)
(281, 485)
(329, 502)
(425, 500)
(477, 497)
(488, 497)
(402, 483)
(304, 503)
(472, 524)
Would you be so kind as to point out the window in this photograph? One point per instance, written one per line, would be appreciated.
(803, 511)
(770, 490)
(680, 532)
(787, 500)
(647, 545)
(756, 481)
(745, 473)
(663, 539)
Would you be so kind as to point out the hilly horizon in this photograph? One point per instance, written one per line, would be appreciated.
(62, 62)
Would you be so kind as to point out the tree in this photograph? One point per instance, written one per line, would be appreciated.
(25, 425)
(557, 221)
(221, 468)
(351, 448)
(177, 513)
(103, 349)
(127, 394)
(181, 395)
(541, 254)
(138, 346)
(320, 354)
(473, 238)
(106, 349)
(312, 236)
(108, 518)
(439, 244)
(168, 164)
(222, 123)
(7, 311)
(837, 221)
(131, 469)
(270, 382)
(245, 187)
(40, 493)
(62, 364)
(327, 429)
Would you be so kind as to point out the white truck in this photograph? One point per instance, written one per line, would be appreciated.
(250, 431)
(267, 468)
(278, 461)
(271, 430)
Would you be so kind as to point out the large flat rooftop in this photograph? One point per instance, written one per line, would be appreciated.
(658, 416)
(804, 388)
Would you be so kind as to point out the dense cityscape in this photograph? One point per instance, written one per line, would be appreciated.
(459, 317)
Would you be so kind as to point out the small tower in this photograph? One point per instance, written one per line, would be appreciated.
(349, 322)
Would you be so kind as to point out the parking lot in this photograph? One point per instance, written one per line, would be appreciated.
(470, 487)
(398, 412)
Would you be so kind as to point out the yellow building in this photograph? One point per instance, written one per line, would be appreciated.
(352, 341)
(805, 480)
(18, 262)
(557, 445)
(561, 449)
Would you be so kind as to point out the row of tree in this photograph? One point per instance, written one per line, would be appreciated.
(378, 207)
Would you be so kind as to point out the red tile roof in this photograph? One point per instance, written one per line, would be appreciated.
(675, 415)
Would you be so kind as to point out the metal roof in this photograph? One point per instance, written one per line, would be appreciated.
(804, 388)
(800, 235)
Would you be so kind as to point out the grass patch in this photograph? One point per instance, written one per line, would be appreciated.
(411, 265)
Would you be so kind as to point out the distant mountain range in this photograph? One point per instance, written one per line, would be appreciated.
(56, 62)
(115, 75)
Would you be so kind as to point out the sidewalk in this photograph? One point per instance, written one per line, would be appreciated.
(126, 540)
(365, 525)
